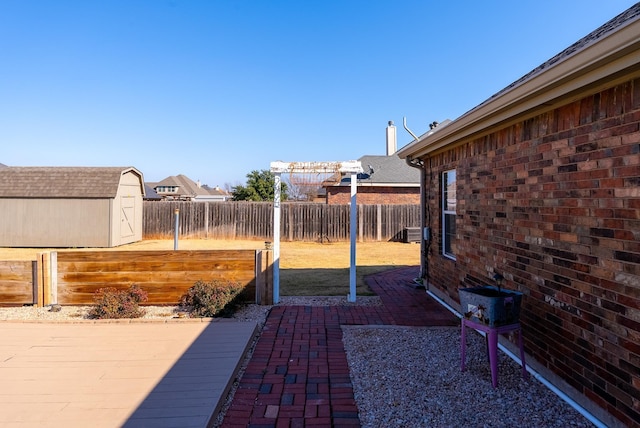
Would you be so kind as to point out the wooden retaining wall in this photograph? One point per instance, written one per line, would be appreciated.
(18, 283)
(72, 278)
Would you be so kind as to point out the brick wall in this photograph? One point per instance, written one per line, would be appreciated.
(374, 195)
(553, 203)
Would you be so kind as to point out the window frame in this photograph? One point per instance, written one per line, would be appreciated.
(448, 214)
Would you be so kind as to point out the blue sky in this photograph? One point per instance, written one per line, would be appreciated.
(215, 89)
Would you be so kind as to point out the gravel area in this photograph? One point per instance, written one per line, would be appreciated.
(404, 376)
(410, 377)
(245, 313)
(74, 313)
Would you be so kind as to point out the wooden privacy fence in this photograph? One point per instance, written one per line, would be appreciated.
(299, 221)
(72, 278)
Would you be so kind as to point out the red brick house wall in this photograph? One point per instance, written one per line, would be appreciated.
(553, 203)
(374, 195)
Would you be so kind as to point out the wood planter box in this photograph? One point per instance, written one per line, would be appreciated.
(490, 306)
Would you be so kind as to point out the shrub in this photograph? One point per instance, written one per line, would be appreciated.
(209, 299)
(112, 303)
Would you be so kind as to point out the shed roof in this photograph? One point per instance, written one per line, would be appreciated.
(61, 182)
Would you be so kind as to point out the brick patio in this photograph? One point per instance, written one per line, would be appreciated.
(298, 374)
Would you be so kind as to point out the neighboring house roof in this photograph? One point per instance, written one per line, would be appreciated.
(595, 61)
(217, 191)
(150, 193)
(186, 188)
(62, 182)
(385, 171)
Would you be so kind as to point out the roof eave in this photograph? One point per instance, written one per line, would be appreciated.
(606, 62)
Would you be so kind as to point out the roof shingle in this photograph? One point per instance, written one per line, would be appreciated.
(61, 182)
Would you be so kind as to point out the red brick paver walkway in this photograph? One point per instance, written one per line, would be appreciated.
(298, 375)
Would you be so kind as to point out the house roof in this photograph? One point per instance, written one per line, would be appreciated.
(385, 171)
(61, 182)
(217, 191)
(605, 57)
(388, 170)
(150, 193)
(186, 186)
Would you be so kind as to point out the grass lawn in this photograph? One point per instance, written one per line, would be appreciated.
(306, 268)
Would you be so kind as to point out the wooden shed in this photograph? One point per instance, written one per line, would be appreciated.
(70, 206)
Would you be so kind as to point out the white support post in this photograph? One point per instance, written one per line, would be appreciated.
(352, 230)
(276, 237)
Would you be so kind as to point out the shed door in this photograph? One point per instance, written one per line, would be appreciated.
(127, 216)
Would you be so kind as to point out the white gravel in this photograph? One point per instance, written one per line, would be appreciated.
(404, 376)
(411, 377)
(246, 313)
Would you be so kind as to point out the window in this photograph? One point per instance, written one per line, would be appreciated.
(449, 203)
(166, 189)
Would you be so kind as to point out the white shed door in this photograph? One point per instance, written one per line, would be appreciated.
(127, 216)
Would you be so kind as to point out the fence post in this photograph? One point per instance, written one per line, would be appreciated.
(53, 276)
(34, 282)
(379, 222)
(49, 269)
(360, 223)
(206, 219)
(259, 279)
(264, 280)
(177, 224)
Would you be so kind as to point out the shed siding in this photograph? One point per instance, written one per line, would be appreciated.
(54, 222)
(553, 203)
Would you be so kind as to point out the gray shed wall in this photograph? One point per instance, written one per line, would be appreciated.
(54, 222)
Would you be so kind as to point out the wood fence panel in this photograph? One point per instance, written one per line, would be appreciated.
(164, 275)
(17, 283)
(299, 221)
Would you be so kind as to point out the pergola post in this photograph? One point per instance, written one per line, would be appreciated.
(347, 167)
(352, 233)
(276, 237)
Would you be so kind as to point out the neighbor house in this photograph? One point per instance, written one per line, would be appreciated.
(70, 206)
(182, 188)
(541, 183)
(150, 194)
(385, 180)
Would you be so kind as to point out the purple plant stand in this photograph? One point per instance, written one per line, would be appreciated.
(492, 344)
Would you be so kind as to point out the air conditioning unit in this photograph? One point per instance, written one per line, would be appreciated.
(412, 234)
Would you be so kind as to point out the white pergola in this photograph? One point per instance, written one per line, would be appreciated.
(278, 168)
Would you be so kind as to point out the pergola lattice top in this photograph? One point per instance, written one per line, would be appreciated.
(353, 167)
